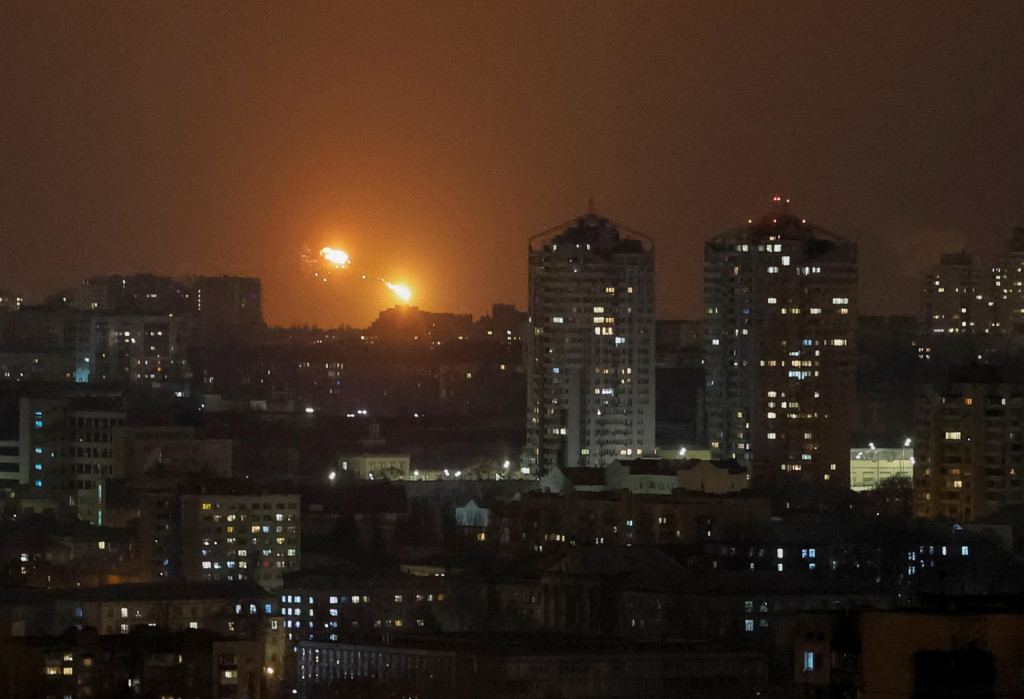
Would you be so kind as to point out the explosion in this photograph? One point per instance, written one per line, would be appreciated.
(338, 258)
(402, 291)
(332, 259)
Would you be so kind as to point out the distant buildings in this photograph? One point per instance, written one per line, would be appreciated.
(590, 355)
(112, 348)
(966, 295)
(780, 298)
(10, 301)
(957, 297)
(138, 329)
(969, 450)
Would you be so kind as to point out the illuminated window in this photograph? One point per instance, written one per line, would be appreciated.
(953, 436)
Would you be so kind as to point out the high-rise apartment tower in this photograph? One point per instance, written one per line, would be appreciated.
(780, 311)
(590, 345)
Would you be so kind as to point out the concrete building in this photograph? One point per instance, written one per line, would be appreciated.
(240, 536)
(870, 466)
(590, 352)
(172, 449)
(1008, 280)
(60, 445)
(957, 297)
(135, 294)
(966, 295)
(228, 301)
(969, 450)
(149, 662)
(130, 348)
(327, 606)
(376, 466)
(780, 300)
(217, 530)
(527, 665)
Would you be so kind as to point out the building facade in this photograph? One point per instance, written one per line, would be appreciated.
(590, 349)
(967, 295)
(870, 466)
(957, 297)
(240, 537)
(781, 306)
(969, 450)
(60, 445)
(228, 301)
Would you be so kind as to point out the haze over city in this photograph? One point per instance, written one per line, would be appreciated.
(431, 140)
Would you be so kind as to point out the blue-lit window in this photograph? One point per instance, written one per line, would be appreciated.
(39, 467)
(39, 424)
(39, 484)
(267, 609)
(39, 450)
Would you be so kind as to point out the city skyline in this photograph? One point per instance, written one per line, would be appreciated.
(127, 149)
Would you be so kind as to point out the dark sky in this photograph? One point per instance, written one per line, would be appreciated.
(430, 140)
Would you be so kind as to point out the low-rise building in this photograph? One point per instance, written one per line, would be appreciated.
(870, 466)
(376, 466)
(518, 665)
(149, 662)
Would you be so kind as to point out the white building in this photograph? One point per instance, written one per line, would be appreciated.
(869, 467)
(590, 349)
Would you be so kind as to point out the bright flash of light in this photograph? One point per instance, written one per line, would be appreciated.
(336, 257)
(401, 291)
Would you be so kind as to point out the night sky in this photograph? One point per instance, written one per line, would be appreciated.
(430, 140)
